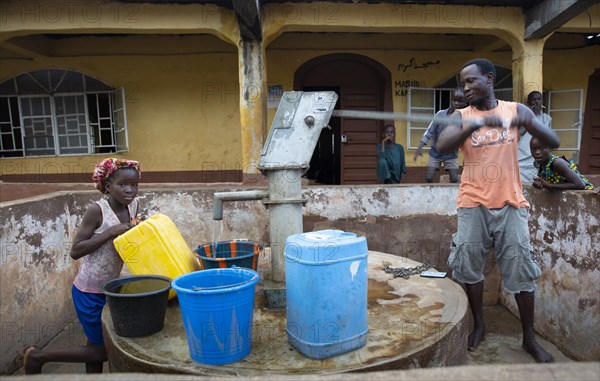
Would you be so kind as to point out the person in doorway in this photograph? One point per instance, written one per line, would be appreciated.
(526, 167)
(492, 211)
(555, 172)
(450, 160)
(102, 222)
(391, 164)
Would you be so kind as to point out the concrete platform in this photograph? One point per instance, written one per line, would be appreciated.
(414, 323)
(499, 357)
(499, 354)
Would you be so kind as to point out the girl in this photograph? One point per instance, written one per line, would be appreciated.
(103, 221)
(554, 172)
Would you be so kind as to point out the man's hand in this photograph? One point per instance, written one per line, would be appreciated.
(526, 118)
(522, 121)
(475, 124)
(418, 153)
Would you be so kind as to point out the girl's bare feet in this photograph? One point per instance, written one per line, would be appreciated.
(31, 364)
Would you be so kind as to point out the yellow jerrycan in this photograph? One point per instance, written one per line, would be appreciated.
(156, 247)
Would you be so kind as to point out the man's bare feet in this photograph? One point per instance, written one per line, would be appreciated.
(476, 337)
(31, 365)
(535, 349)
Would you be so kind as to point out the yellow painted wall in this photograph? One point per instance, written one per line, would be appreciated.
(569, 69)
(188, 106)
(506, 23)
(182, 111)
(281, 66)
(561, 70)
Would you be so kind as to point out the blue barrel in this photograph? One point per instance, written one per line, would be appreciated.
(217, 307)
(326, 292)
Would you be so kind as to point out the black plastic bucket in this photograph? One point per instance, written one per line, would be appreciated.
(138, 304)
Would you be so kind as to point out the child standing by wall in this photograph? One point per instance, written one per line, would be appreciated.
(535, 101)
(554, 172)
(391, 164)
(450, 160)
(103, 221)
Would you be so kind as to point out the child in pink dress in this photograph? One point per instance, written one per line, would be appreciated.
(103, 221)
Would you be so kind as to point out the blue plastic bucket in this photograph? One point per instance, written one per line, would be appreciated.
(217, 307)
(326, 292)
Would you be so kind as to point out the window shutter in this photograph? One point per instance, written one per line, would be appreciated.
(421, 101)
(120, 121)
(565, 108)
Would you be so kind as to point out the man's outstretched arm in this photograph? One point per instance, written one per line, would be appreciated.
(454, 135)
(526, 118)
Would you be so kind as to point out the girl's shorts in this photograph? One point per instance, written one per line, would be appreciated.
(89, 312)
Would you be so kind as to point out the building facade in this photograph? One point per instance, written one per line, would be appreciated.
(190, 88)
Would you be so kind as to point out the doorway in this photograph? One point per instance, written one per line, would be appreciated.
(346, 153)
(324, 164)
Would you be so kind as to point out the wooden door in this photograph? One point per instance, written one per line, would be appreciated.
(362, 84)
(589, 158)
(359, 137)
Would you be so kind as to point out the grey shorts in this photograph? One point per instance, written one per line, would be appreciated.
(506, 231)
(448, 164)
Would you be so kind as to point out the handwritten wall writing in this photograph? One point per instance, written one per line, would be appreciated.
(412, 64)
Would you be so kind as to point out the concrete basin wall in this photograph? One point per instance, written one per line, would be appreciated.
(565, 232)
(410, 221)
(36, 273)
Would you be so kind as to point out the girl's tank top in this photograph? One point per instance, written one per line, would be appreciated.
(104, 263)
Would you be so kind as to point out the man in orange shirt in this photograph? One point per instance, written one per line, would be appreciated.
(492, 211)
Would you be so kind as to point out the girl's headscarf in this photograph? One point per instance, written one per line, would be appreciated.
(107, 167)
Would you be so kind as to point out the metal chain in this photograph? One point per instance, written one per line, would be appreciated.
(405, 272)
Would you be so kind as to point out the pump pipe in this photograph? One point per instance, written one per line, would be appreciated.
(384, 115)
(220, 197)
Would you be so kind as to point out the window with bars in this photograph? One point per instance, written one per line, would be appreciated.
(60, 112)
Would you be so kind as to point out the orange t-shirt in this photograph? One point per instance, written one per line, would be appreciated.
(490, 175)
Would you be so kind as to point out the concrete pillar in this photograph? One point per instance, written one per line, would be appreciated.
(527, 68)
(253, 104)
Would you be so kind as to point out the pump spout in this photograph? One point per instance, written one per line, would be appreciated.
(220, 197)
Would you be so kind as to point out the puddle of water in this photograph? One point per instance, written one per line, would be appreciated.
(143, 286)
(380, 291)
